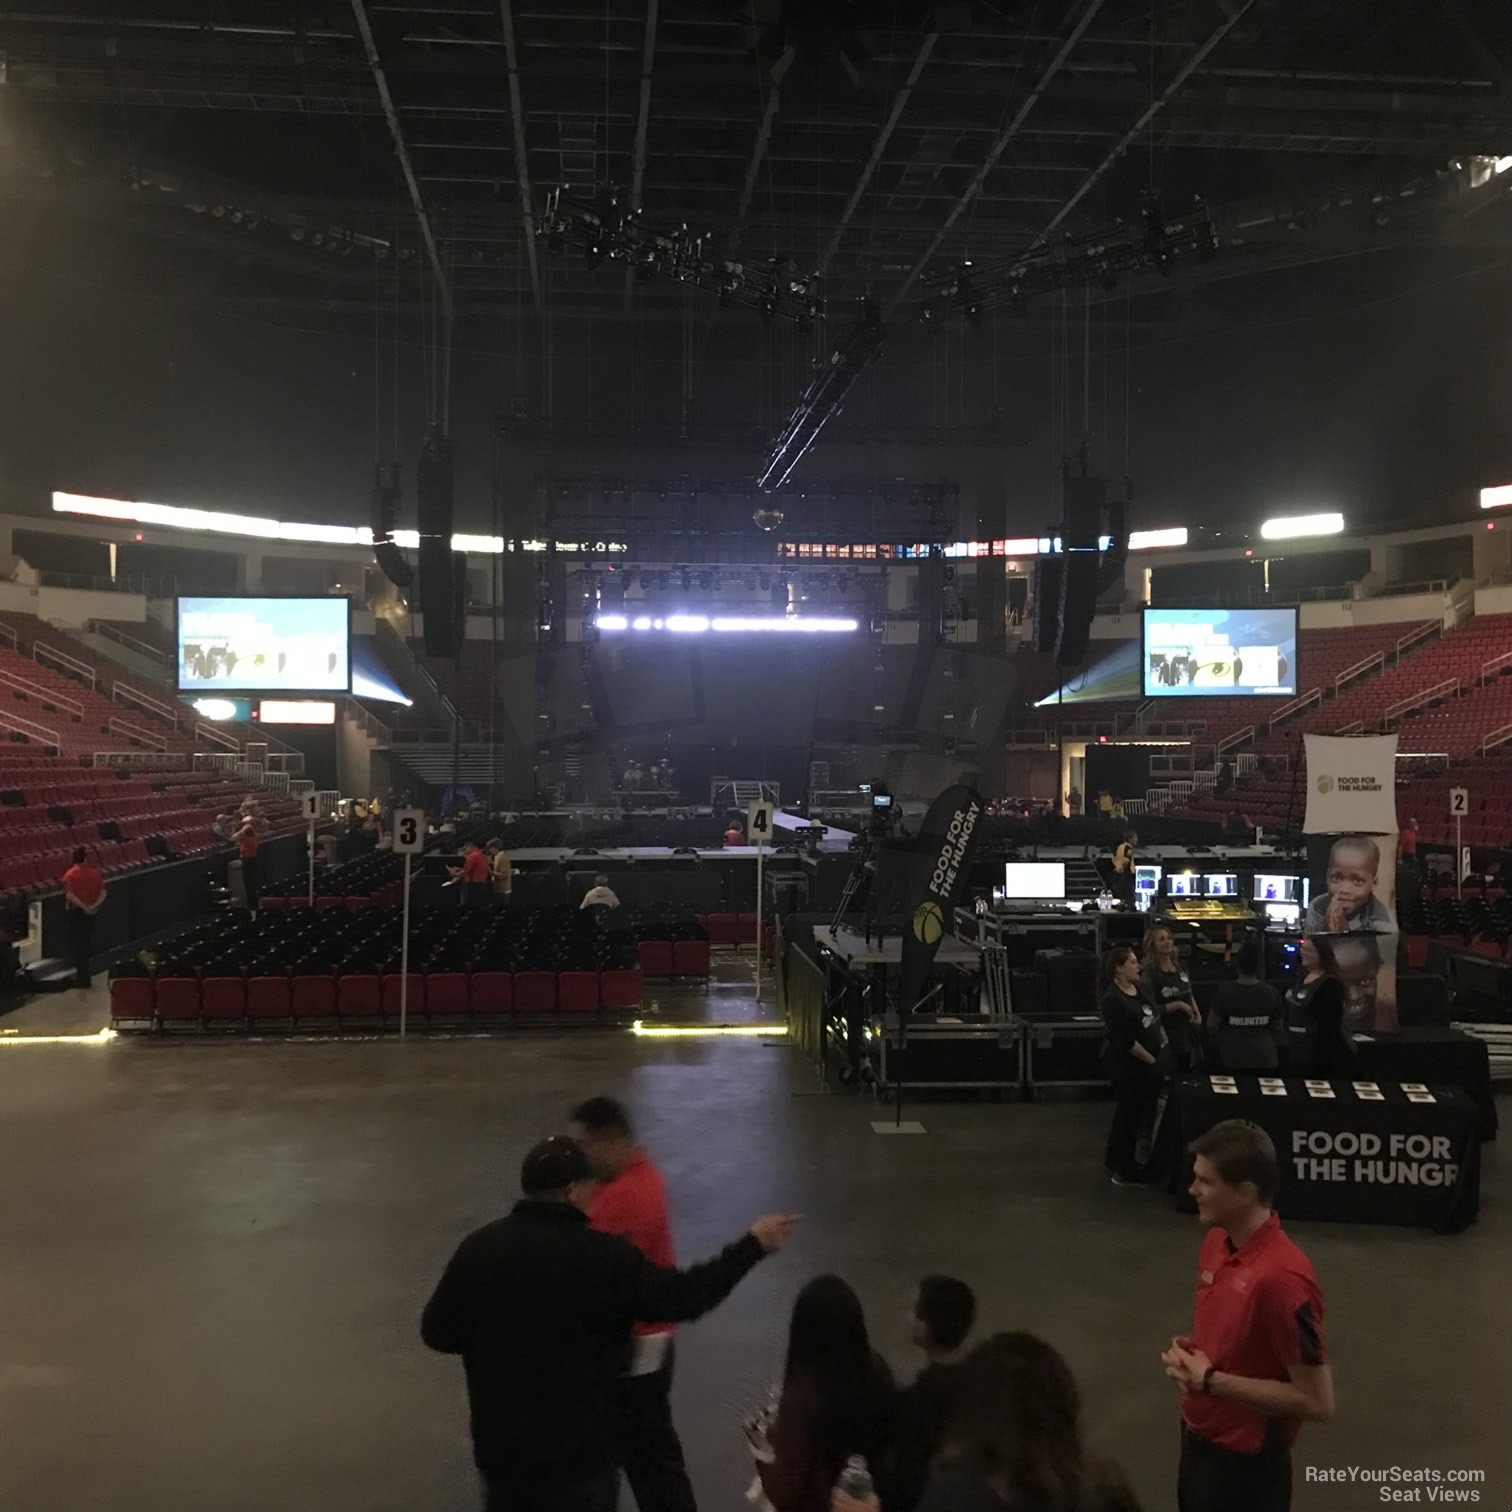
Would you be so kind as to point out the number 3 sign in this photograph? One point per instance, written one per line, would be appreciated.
(409, 831)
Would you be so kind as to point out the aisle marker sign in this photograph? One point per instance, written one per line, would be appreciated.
(1459, 802)
(409, 831)
(759, 824)
(1459, 807)
(310, 806)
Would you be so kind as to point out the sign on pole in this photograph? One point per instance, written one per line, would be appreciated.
(1459, 806)
(409, 842)
(309, 804)
(1459, 802)
(759, 834)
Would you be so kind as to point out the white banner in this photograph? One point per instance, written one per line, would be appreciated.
(1351, 784)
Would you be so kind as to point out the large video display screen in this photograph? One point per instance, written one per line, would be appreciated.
(264, 645)
(1219, 653)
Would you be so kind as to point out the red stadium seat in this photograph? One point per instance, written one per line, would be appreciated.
(354, 903)
(131, 1000)
(416, 1001)
(724, 929)
(269, 998)
(745, 929)
(274, 902)
(1417, 952)
(324, 903)
(656, 958)
(446, 994)
(223, 998)
(490, 993)
(577, 991)
(690, 958)
(314, 997)
(299, 900)
(357, 996)
(620, 991)
(178, 998)
(535, 991)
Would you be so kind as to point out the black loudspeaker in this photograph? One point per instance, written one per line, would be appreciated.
(1018, 597)
(385, 518)
(1078, 605)
(1049, 582)
(992, 604)
(438, 578)
(931, 600)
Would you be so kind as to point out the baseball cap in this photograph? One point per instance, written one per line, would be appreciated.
(553, 1165)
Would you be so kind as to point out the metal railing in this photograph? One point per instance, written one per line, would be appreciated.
(209, 733)
(215, 761)
(1354, 727)
(41, 694)
(1375, 662)
(1424, 696)
(1494, 668)
(1497, 737)
(124, 693)
(152, 761)
(366, 720)
(64, 661)
(1134, 806)
(1156, 800)
(131, 642)
(137, 732)
(1238, 738)
(290, 762)
(8, 635)
(1426, 631)
(1295, 706)
(736, 792)
(31, 729)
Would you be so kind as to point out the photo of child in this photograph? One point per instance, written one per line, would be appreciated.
(1348, 902)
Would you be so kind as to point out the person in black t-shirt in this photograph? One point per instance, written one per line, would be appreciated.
(1168, 989)
(1315, 1036)
(944, 1310)
(1130, 1053)
(1244, 1022)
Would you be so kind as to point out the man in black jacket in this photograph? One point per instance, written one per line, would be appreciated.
(540, 1308)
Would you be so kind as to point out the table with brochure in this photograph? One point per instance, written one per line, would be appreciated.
(1405, 1153)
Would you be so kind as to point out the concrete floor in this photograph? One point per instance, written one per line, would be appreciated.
(214, 1255)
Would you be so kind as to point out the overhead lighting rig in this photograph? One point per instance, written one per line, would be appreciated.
(1073, 261)
(604, 229)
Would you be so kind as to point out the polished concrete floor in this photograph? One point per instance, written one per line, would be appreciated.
(213, 1256)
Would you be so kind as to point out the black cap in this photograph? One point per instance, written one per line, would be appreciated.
(553, 1165)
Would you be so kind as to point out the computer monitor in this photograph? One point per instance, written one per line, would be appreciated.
(1221, 885)
(1044, 880)
(882, 800)
(1275, 889)
(1182, 884)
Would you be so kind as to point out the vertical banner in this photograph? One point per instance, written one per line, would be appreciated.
(1351, 830)
(942, 856)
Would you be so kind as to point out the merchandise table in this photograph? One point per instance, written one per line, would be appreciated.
(1350, 1152)
(1435, 1054)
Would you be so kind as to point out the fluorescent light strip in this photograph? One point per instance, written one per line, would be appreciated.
(99, 1037)
(1496, 498)
(707, 1031)
(1291, 527)
(728, 624)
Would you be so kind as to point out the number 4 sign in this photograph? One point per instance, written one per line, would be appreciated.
(759, 824)
(1459, 802)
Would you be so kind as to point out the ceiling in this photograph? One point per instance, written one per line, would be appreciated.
(315, 146)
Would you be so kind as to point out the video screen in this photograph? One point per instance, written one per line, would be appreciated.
(1212, 653)
(264, 645)
(1182, 885)
(1270, 889)
(1146, 878)
(1223, 885)
(1034, 879)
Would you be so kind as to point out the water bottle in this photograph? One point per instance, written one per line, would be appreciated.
(855, 1480)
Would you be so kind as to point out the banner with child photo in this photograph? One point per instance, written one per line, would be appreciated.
(1351, 830)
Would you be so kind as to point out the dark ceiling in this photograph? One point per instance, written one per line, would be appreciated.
(306, 142)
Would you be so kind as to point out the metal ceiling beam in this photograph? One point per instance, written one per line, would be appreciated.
(642, 126)
(900, 100)
(995, 152)
(522, 158)
(758, 152)
(1235, 13)
(401, 151)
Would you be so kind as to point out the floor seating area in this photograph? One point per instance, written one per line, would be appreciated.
(127, 818)
(1479, 921)
(297, 966)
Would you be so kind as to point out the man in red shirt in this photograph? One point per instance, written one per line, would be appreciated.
(1255, 1368)
(247, 841)
(83, 897)
(632, 1202)
(475, 876)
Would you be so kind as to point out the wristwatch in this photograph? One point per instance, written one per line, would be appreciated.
(1207, 1379)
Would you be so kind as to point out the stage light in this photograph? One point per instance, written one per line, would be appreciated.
(1496, 498)
(1293, 527)
(219, 709)
(732, 624)
(364, 686)
(612, 622)
(1152, 540)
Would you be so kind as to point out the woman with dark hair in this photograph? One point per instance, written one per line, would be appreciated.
(1129, 1054)
(1315, 1037)
(1015, 1443)
(1168, 988)
(838, 1400)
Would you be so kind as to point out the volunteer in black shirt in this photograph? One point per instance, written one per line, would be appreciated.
(1244, 1022)
(540, 1308)
(1130, 1052)
(1315, 1038)
(1168, 989)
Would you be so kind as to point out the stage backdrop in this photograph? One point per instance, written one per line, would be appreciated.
(1351, 857)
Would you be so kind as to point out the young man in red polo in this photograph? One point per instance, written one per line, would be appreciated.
(1255, 1368)
(632, 1201)
(83, 897)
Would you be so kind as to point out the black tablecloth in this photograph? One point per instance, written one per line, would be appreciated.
(1349, 1159)
(1435, 1054)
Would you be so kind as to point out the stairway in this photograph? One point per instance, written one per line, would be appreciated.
(1083, 880)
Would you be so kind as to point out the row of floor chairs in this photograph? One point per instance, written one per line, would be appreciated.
(363, 998)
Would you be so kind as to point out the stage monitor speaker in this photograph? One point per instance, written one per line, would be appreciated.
(438, 578)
